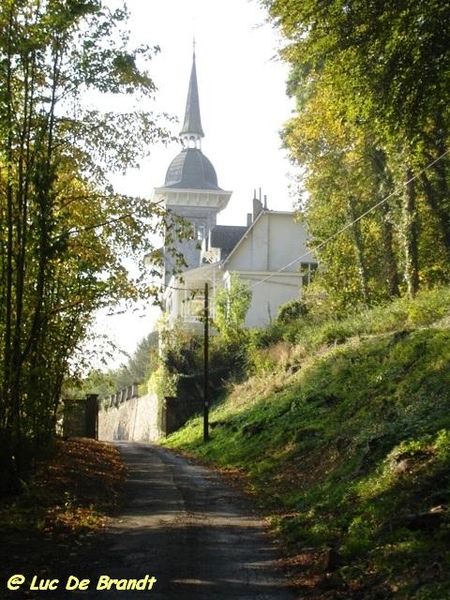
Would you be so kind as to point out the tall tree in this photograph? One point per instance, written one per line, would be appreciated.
(63, 231)
(371, 80)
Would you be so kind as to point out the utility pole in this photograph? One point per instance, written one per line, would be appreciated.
(206, 367)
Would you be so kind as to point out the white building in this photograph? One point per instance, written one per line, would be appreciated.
(270, 252)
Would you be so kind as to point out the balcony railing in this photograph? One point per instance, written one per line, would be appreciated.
(211, 256)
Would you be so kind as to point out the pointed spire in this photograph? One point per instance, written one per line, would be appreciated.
(192, 131)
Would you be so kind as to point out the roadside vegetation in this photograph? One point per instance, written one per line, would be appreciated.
(342, 434)
(68, 498)
(66, 237)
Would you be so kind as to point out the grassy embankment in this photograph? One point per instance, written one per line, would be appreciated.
(346, 444)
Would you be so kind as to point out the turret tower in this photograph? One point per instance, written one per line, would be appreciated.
(191, 189)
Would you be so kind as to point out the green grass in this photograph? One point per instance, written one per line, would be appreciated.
(350, 454)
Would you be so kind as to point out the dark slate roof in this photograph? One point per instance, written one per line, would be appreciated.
(226, 237)
(191, 170)
(192, 121)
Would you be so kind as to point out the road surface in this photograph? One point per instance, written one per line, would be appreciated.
(182, 534)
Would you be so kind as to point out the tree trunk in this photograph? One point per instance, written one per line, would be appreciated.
(385, 187)
(391, 262)
(359, 250)
(410, 236)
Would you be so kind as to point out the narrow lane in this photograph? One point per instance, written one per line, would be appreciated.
(183, 525)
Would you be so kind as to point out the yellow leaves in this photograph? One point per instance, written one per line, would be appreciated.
(68, 499)
(71, 520)
(322, 128)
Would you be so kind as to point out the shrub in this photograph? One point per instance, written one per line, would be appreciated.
(292, 311)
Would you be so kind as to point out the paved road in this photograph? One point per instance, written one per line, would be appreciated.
(183, 525)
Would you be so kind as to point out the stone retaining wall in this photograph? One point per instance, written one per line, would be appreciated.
(136, 420)
(147, 419)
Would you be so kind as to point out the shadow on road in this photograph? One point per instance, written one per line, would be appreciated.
(181, 524)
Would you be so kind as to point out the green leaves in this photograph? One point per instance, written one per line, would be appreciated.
(64, 233)
(232, 304)
(371, 133)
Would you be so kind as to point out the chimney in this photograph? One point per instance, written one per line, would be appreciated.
(257, 204)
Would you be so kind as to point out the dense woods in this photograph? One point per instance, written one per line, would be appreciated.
(371, 131)
(64, 233)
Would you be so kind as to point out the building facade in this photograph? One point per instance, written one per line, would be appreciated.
(267, 252)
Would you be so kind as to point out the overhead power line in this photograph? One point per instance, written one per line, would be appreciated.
(337, 233)
(348, 225)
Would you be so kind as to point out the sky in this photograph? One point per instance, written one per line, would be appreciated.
(243, 107)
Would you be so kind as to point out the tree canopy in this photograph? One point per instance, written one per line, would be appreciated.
(371, 129)
(64, 233)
